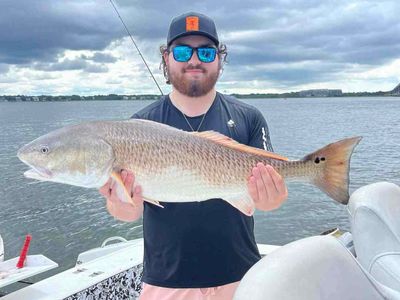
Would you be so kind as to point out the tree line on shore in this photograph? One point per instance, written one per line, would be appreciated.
(43, 98)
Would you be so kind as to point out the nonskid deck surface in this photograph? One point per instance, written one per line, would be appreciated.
(98, 274)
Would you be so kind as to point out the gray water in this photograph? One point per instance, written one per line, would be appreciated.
(66, 220)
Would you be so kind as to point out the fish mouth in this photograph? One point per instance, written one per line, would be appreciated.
(38, 174)
(35, 172)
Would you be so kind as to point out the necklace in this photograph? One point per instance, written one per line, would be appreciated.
(201, 122)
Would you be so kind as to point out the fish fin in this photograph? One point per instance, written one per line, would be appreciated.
(335, 161)
(231, 143)
(155, 202)
(121, 190)
(245, 205)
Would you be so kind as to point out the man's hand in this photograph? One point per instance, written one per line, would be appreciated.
(121, 210)
(266, 188)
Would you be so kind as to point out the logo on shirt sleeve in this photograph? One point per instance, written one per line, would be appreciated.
(264, 138)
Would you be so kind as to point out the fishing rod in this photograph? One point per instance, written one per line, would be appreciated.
(137, 48)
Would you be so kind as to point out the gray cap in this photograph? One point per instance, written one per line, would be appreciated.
(192, 24)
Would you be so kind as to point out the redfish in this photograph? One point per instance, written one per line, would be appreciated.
(172, 165)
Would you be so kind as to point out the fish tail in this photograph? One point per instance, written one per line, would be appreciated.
(334, 162)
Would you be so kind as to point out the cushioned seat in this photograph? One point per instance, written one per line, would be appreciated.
(375, 224)
(313, 268)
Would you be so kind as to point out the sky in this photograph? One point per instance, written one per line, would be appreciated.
(65, 47)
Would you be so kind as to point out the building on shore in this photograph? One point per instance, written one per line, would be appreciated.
(395, 91)
(320, 93)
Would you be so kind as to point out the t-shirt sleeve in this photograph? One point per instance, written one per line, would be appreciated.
(259, 132)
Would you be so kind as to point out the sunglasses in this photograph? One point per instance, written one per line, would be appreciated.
(183, 53)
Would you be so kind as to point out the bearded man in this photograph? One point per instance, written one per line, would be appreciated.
(199, 250)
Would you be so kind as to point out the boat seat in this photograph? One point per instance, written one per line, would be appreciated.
(318, 267)
(375, 224)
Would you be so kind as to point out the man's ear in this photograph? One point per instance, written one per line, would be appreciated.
(220, 66)
(221, 71)
(166, 56)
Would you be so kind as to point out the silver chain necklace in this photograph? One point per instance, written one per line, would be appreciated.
(201, 122)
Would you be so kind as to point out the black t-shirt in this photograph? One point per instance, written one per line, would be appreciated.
(209, 243)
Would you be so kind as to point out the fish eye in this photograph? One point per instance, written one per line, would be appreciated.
(44, 149)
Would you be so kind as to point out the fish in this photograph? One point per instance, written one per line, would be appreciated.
(172, 165)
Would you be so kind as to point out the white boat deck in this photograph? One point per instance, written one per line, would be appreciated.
(83, 275)
(97, 265)
(35, 264)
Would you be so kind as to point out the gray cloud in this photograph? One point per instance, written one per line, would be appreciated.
(335, 33)
(4, 68)
(39, 30)
(288, 42)
(289, 76)
(100, 57)
(72, 64)
(103, 58)
(65, 65)
(96, 68)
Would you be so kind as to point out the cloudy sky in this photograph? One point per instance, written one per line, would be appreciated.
(80, 46)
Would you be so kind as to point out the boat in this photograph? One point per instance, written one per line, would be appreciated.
(113, 270)
(361, 264)
(323, 267)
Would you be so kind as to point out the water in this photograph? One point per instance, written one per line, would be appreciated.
(66, 220)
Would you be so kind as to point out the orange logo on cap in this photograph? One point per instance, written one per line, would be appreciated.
(192, 23)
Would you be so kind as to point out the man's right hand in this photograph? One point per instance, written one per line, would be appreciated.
(121, 210)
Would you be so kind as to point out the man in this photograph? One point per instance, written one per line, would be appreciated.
(199, 250)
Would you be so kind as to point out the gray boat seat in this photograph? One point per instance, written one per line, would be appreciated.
(318, 267)
(375, 224)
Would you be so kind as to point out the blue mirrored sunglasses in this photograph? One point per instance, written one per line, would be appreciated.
(183, 53)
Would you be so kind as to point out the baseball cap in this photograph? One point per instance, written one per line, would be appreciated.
(192, 24)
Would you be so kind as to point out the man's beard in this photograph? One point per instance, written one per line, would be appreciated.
(194, 87)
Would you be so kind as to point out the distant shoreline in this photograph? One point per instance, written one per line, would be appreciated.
(115, 97)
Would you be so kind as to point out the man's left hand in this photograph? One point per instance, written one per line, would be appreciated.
(266, 187)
